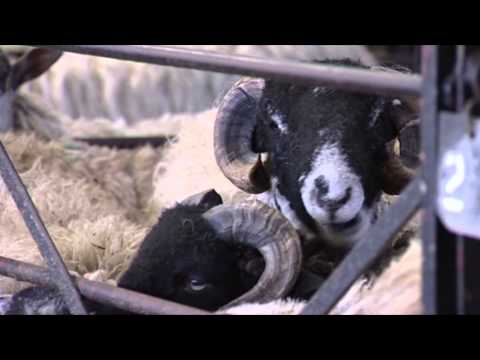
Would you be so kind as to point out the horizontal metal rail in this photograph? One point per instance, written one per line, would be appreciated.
(103, 293)
(381, 83)
(366, 251)
(127, 143)
(58, 270)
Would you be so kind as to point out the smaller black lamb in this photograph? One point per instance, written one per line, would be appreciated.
(203, 254)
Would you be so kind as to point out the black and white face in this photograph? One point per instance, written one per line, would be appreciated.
(324, 149)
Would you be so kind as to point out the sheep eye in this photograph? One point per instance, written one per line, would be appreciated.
(270, 112)
(269, 107)
(273, 125)
(197, 285)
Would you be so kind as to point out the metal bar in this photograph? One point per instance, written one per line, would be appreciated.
(461, 299)
(446, 286)
(460, 275)
(58, 270)
(366, 251)
(127, 142)
(103, 293)
(460, 86)
(429, 148)
(381, 83)
(448, 272)
(452, 281)
(471, 284)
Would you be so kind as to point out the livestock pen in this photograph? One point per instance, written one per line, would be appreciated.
(444, 283)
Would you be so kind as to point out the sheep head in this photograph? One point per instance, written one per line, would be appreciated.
(329, 152)
(203, 253)
(195, 255)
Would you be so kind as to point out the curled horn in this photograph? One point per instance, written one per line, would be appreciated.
(233, 137)
(265, 229)
(399, 169)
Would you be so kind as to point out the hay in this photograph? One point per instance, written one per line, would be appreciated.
(93, 202)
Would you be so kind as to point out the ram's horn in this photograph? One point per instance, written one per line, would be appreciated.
(265, 229)
(399, 169)
(233, 137)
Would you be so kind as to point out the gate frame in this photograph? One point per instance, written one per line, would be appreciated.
(420, 193)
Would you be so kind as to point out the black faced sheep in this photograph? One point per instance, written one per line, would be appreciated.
(202, 254)
(330, 153)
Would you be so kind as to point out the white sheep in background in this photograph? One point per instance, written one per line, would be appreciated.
(89, 86)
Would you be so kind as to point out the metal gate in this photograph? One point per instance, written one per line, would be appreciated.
(445, 282)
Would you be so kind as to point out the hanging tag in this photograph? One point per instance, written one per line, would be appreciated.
(458, 199)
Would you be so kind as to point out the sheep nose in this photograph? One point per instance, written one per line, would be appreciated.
(322, 186)
(332, 204)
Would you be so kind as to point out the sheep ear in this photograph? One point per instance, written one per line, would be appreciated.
(210, 199)
(250, 264)
(258, 141)
(306, 286)
(206, 199)
(254, 267)
(32, 65)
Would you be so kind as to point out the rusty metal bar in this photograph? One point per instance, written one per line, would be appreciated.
(366, 251)
(128, 142)
(429, 146)
(381, 83)
(58, 271)
(103, 293)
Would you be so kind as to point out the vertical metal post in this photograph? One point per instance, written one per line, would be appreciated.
(468, 249)
(450, 247)
(440, 249)
(471, 279)
(450, 261)
(429, 143)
